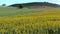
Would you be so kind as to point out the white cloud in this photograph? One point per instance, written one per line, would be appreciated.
(54, 1)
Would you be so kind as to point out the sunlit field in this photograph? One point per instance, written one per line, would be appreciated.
(29, 21)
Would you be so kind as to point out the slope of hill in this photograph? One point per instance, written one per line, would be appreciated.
(36, 4)
(7, 11)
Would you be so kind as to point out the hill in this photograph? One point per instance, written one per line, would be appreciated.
(36, 4)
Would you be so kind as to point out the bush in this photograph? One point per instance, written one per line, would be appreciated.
(3, 4)
(21, 6)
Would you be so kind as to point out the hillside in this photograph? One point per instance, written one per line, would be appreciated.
(10, 11)
(29, 21)
(36, 4)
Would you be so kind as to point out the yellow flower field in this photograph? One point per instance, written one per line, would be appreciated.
(46, 22)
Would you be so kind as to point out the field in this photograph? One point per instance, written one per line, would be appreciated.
(29, 21)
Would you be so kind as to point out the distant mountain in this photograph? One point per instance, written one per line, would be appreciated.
(36, 4)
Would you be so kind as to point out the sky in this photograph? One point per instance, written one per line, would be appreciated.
(9, 2)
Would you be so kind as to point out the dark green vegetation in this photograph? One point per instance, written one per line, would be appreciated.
(36, 4)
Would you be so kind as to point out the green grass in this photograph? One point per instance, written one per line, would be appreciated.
(8, 11)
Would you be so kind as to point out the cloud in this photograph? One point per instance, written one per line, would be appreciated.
(53, 1)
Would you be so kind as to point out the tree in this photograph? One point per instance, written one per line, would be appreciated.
(21, 6)
(3, 4)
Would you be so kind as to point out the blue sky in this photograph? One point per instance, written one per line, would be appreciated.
(9, 2)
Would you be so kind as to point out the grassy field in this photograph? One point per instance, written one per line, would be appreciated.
(29, 21)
